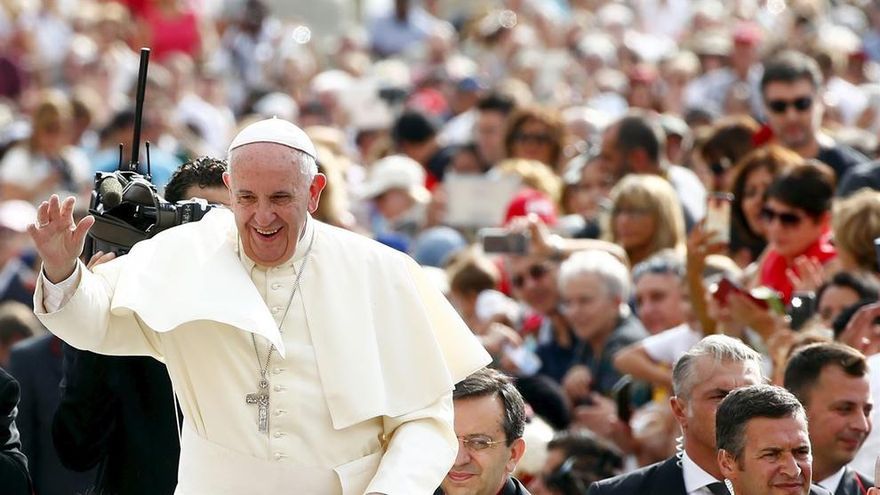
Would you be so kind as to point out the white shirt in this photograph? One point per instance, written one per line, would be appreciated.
(669, 345)
(696, 479)
(832, 482)
(867, 455)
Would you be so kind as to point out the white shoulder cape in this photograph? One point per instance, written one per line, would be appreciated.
(386, 341)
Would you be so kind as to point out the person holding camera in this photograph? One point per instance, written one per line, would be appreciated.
(303, 355)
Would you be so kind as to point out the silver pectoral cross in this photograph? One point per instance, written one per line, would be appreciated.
(261, 399)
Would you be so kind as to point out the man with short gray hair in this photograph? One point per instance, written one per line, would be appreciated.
(709, 371)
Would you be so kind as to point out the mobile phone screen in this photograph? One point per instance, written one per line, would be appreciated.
(718, 216)
(503, 241)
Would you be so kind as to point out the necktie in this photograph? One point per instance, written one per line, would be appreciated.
(718, 488)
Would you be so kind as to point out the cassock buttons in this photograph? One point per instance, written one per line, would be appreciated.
(280, 434)
(279, 388)
(276, 310)
(276, 286)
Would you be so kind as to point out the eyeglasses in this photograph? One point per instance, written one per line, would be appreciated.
(535, 272)
(801, 104)
(536, 138)
(478, 443)
(787, 219)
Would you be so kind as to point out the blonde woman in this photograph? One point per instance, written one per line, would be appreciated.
(855, 222)
(47, 162)
(533, 174)
(645, 217)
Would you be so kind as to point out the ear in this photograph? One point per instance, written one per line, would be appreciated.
(315, 189)
(679, 411)
(517, 449)
(227, 180)
(727, 464)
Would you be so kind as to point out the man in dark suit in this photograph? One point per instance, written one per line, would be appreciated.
(36, 365)
(763, 443)
(701, 378)
(490, 416)
(13, 464)
(831, 381)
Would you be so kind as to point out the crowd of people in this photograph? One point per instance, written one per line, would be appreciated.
(645, 211)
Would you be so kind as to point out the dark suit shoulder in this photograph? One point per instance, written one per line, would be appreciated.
(853, 483)
(666, 474)
(33, 346)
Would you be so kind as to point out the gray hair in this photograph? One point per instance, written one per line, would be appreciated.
(719, 347)
(307, 163)
(612, 272)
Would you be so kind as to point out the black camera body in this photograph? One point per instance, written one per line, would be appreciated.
(128, 209)
(126, 205)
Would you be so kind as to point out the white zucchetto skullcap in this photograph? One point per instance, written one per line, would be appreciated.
(277, 131)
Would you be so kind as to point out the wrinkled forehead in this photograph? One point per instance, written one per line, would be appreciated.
(786, 433)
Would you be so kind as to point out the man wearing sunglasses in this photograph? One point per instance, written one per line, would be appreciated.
(490, 417)
(791, 88)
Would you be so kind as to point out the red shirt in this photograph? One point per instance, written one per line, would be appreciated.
(773, 270)
(176, 33)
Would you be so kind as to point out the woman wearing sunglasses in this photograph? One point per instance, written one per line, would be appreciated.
(748, 181)
(797, 217)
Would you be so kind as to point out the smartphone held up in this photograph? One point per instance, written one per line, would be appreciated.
(503, 241)
(717, 223)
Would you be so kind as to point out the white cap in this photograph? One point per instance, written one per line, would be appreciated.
(277, 131)
(397, 172)
(16, 214)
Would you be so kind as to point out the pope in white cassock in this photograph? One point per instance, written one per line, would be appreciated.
(307, 359)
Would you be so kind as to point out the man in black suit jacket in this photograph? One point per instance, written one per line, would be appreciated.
(118, 414)
(763, 442)
(13, 464)
(702, 377)
(831, 381)
(36, 365)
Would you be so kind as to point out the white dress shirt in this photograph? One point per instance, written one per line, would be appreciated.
(696, 479)
(832, 482)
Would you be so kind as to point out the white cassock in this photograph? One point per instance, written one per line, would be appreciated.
(360, 387)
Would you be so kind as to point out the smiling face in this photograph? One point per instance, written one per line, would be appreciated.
(271, 197)
(481, 472)
(839, 415)
(790, 231)
(589, 307)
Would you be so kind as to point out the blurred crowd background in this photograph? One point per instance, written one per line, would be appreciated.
(592, 135)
